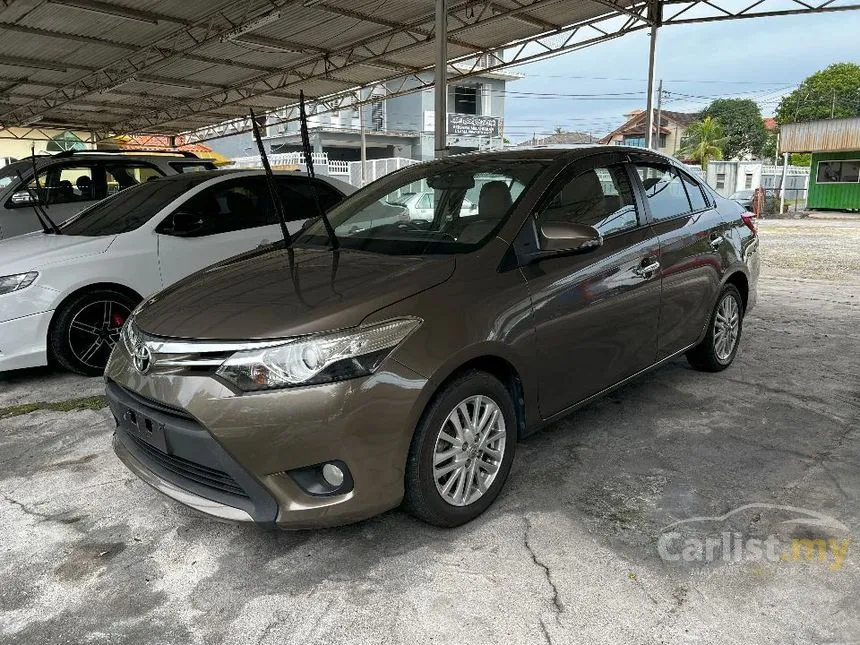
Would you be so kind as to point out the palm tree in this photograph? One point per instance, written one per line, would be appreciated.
(704, 141)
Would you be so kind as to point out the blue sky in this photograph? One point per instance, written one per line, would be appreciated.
(758, 58)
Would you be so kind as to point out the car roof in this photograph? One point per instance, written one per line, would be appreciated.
(570, 152)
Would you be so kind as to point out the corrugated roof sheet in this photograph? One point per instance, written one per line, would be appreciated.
(119, 63)
(830, 135)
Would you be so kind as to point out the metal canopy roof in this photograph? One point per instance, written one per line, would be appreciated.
(196, 66)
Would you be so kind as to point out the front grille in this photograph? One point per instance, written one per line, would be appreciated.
(203, 475)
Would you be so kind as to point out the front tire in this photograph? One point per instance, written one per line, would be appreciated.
(86, 329)
(462, 451)
(720, 345)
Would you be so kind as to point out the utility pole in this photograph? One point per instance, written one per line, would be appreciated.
(659, 119)
(363, 144)
(441, 88)
(655, 18)
(833, 104)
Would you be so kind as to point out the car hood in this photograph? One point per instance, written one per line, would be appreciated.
(258, 295)
(37, 250)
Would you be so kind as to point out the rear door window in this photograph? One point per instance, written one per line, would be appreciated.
(298, 199)
(664, 191)
(230, 206)
(122, 176)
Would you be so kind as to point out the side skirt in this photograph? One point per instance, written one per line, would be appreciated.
(607, 390)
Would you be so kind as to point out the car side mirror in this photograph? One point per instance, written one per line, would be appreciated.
(22, 198)
(561, 237)
(186, 224)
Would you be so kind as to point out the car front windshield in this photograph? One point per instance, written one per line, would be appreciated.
(462, 205)
(742, 194)
(128, 209)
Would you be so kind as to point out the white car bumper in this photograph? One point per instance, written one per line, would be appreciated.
(23, 341)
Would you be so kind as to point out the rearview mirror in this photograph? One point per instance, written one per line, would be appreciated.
(561, 237)
(22, 198)
(451, 181)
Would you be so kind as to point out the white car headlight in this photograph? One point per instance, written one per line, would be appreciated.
(320, 358)
(10, 283)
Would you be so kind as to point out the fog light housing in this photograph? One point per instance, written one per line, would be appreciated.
(332, 475)
(327, 478)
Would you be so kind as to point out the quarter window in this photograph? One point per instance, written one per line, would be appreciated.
(600, 197)
(694, 192)
(664, 191)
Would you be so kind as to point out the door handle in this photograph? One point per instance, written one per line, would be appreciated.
(717, 241)
(646, 271)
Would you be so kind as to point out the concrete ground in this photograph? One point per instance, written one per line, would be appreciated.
(569, 552)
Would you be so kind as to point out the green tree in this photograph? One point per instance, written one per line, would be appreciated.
(704, 141)
(743, 127)
(834, 90)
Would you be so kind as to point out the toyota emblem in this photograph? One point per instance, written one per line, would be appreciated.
(142, 358)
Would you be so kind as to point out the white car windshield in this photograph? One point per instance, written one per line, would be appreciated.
(129, 209)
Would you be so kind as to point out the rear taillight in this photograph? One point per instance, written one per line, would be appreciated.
(749, 220)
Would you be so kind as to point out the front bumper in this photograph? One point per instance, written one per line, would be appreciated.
(230, 455)
(24, 341)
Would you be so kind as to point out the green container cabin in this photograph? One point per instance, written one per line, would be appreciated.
(834, 181)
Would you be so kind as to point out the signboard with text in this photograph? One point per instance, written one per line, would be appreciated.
(472, 125)
(467, 125)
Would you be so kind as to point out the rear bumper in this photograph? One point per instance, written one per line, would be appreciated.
(24, 341)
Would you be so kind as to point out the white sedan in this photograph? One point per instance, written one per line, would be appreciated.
(65, 296)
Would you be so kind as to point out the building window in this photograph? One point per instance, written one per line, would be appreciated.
(838, 172)
(639, 141)
(377, 113)
(465, 100)
(721, 180)
(748, 180)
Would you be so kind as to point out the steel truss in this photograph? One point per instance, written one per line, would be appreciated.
(618, 21)
(379, 50)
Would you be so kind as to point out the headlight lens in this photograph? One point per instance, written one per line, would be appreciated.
(10, 283)
(317, 359)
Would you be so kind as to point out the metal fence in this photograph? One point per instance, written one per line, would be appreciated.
(794, 199)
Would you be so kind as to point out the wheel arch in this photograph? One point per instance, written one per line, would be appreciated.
(740, 280)
(492, 363)
(95, 286)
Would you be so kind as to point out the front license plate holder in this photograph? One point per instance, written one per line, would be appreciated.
(145, 428)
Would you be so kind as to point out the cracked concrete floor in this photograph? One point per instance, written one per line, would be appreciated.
(567, 554)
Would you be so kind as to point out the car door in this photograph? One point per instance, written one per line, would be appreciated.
(690, 234)
(595, 312)
(218, 222)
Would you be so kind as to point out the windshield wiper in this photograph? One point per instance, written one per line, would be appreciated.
(50, 227)
(309, 164)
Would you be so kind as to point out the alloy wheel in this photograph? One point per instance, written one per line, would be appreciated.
(469, 450)
(95, 330)
(726, 327)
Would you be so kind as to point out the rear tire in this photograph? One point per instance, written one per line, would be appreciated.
(87, 327)
(720, 345)
(451, 481)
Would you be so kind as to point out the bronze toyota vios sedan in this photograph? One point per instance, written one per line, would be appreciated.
(385, 359)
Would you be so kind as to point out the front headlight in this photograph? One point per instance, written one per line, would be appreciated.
(10, 283)
(321, 358)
